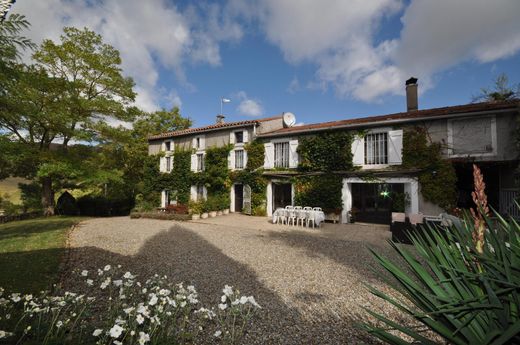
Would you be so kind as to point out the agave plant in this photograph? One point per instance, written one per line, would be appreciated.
(460, 283)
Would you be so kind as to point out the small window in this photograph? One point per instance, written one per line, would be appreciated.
(200, 162)
(200, 193)
(239, 137)
(281, 155)
(167, 146)
(168, 164)
(197, 143)
(376, 148)
(239, 159)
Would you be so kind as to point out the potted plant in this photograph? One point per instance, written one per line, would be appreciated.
(204, 209)
(211, 206)
(195, 209)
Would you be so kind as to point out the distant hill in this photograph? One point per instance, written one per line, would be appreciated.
(10, 186)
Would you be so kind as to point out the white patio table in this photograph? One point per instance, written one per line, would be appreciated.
(319, 216)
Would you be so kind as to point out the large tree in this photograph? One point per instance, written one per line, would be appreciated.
(74, 87)
(501, 91)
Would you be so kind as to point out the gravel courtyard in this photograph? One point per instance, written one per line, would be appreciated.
(310, 283)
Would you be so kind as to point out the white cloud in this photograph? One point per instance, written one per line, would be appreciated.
(249, 106)
(149, 34)
(341, 40)
(294, 86)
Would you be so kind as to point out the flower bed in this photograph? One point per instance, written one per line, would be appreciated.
(160, 215)
(124, 310)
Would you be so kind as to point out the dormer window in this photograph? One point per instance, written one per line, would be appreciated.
(239, 137)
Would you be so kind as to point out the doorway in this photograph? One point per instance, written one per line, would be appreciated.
(374, 202)
(239, 197)
(282, 195)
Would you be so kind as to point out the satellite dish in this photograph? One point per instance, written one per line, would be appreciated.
(288, 119)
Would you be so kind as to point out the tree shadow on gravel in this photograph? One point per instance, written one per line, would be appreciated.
(184, 256)
(354, 255)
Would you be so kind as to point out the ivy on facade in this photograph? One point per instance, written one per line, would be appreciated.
(326, 153)
(437, 175)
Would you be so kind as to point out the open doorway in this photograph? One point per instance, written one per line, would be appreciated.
(282, 195)
(374, 202)
(239, 197)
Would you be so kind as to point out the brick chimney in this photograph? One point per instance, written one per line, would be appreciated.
(412, 102)
(220, 118)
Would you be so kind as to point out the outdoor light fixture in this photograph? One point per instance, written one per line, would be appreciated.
(222, 101)
(385, 194)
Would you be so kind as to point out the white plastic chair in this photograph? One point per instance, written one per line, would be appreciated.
(307, 208)
(311, 217)
(277, 215)
(316, 209)
(301, 217)
(291, 216)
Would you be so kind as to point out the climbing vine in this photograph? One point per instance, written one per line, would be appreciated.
(328, 151)
(437, 176)
(252, 176)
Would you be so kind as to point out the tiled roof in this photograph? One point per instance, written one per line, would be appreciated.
(211, 127)
(411, 115)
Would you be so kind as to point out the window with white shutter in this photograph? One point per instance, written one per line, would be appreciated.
(200, 162)
(281, 155)
(239, 159)
(376, 148)
(268, 156)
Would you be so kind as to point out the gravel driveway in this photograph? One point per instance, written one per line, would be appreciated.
(309, 282)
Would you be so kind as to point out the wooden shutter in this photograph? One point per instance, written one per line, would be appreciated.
(245, 136)
(202, 142)
(194, 143)
(358, 150)
(232, 137)
(231, 160)
(293, 154)
(193, 193)
(193, 162)
(162, 164)
(268, 156)
(245, 159)
(395, 147)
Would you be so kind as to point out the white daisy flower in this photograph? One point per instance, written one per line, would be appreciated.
(139, 319)
(116, 331)
(143, 338)
(97, 332)
(217, 334)
(84, 273)
(107, 268)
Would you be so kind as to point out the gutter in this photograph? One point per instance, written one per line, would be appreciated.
(152, 138)
(387, 122)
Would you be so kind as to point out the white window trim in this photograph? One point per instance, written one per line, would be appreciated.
(234, 138)
(374, 131)
(485, 154)
(244, 158)
(278, 141)
(172, 147)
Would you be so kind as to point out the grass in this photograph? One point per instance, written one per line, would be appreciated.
(31, 252)
(9, 186)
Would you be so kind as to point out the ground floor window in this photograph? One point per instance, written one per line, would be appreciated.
(282, 195)
(200, 193)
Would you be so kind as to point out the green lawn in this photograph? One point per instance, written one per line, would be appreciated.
(31, 251)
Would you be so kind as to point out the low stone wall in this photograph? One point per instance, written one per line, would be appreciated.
(22, 216)
(160, 215)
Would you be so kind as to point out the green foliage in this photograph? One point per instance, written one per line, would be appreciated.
(501, 91)
(216, 171)
(319, 191)
(255, 155)
(100, 206)
(327, 151)
(437, 176)
(31, 196)
(462, 296)
(196, 207)
(160, 121)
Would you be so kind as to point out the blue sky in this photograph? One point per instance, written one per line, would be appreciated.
(323, 60)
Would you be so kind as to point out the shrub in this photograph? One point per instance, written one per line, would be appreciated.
(66, 205)
(160, 215)
(99, 206)
(195, 207)
(465, 285)
(177, 209)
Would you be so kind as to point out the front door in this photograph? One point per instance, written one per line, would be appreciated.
(282, 195)
(373, 202)
(239, 197)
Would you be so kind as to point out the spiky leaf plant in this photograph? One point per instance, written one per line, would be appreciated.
(463, 291)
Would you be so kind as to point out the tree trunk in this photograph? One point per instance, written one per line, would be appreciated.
(47, 197)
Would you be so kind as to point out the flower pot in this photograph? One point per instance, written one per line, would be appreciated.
(204, 215)
(226, 211)
(195, 216)
(219, 213)
(213, 214)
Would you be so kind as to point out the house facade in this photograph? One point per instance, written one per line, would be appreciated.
(482, 133)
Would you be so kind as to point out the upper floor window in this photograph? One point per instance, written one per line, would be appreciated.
(167, 146)
(239, 137)
(239, 159)
(474, 136)
(200, 162)
(168, 164)
(281, 155)
(376, 148)
(197, 143)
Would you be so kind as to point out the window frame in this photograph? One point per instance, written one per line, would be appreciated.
(242, 152)
(378, 155)
(200, 162)
(284, 160)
